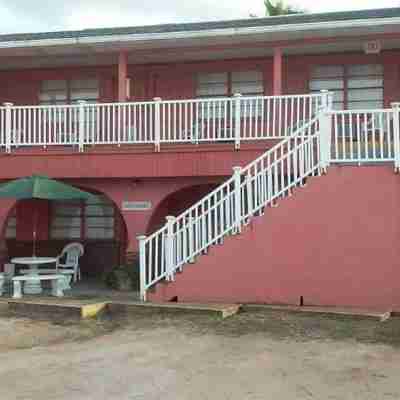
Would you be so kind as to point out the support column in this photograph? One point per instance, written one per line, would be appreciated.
(277, 72)
(122, 76)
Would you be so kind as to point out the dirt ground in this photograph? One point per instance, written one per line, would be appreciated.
(254, 355)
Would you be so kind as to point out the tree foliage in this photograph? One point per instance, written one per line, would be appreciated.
(279, 7)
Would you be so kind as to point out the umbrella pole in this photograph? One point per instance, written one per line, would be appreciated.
(35, 223)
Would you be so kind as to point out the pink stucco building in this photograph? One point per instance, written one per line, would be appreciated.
(155, 118)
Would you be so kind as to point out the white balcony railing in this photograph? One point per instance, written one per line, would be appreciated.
(231, 119)
(365, 135)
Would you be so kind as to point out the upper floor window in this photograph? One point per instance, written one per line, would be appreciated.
(210, 85)
(248, 83)
(222, 84)
(53, 92)
(354, 86)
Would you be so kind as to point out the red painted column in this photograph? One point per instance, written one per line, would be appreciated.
(122, 75)
(277, 72)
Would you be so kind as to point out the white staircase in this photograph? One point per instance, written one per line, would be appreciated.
(229, 207)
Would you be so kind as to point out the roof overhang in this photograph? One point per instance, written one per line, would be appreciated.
(196, 44)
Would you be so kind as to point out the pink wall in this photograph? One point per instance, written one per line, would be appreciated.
(178, 80)
(335, 242)
(137, 163)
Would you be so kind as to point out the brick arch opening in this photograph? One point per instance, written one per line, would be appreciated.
(177, 202)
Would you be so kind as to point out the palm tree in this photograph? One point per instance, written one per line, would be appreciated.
(279, 8)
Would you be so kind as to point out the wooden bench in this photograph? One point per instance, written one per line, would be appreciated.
(57, 283)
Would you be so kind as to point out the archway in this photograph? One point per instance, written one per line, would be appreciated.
(177, 202)
(97, 224)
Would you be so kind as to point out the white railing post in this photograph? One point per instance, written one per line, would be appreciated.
(237, 175)
(250, 194)
(191, 239)
(81, 126)
(157, 123)
(396, 135)
(237, 102)
(169, 248)
(325, 130)
(8, 107)
(142, 266)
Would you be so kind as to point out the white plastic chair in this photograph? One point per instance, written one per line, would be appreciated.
(68, 260)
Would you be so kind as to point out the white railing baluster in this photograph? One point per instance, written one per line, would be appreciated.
(7, 125)
(157, 123)
(142, 266)
(396, 135)
(237, 128)
(81, 129)
(237, 177)
(169, 247)
(326, 130)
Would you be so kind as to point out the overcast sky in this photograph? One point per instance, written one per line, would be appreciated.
(50, 15)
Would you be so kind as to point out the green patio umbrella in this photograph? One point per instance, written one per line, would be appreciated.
(41, 187)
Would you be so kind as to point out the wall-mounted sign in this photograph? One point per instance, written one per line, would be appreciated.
(136, 205)
(373, 47)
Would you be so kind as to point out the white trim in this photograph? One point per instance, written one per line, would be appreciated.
(289, 28)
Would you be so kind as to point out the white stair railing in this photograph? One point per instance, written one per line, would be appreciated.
(225, 210)
(227, 119)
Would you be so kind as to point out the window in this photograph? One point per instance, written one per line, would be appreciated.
(99, 219)
(248, 83)
(211, 85)
(354, 86)
(66, 220)
(228, 83)
(87, 90)
(55, 92)
(94, 219)
(365, 86)
(329, 78)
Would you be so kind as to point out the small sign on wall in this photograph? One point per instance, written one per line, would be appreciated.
(136, 205)
(373, 47)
